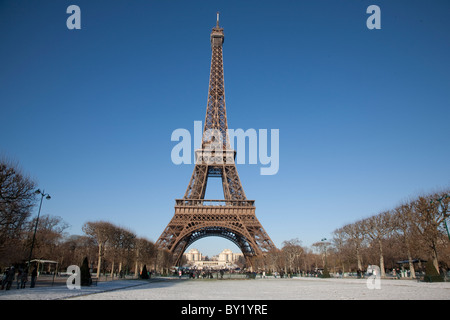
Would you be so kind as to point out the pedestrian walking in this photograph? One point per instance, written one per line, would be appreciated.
(19, 277)
(24, 279)
(33, 277)
(5, 276)
(10, 278)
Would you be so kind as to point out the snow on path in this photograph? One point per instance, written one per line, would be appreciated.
(259, 289)
(60, 291)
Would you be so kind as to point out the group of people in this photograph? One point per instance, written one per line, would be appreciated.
(22, 278)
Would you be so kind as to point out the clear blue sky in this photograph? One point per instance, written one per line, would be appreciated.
(363, 114)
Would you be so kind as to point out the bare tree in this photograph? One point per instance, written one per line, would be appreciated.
(292, 251)
(403, 220)
(49, 233)
(441, 200)
(164, 260)
(309, 260)
(112, 248)
(101, 232)
(342, 247)
(378, 227)
(355, 236)
(127, 241)
(428, 223)
(74, 248)
(322, 247)
(145, 251)
(17, 199)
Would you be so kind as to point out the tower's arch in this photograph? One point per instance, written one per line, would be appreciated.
(234, 235)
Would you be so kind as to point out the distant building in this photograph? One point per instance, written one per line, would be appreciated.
(225, 259)
(228, 256)
(193, 255)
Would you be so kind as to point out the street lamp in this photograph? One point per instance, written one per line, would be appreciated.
(47, 196)
(325, 246)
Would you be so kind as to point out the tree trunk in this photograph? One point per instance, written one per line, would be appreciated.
(358, 257)
(383, 272)
(411, 264)
(99, 259)
(435, 258)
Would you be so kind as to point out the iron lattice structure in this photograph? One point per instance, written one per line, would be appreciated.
(234, 217)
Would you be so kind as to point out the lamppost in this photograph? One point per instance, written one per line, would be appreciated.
(444, 213)
(325, 246)
(47, 196)
(326, 272)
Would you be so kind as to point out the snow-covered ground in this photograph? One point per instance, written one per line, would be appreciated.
(259, 289)
(60, 291)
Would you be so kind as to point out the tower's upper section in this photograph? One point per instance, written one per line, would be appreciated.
(215, 129)
(217, 36)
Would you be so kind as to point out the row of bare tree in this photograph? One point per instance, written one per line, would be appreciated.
(120, 250)
(415, 229)
(110, 249)
(413, 232)
(114, 248)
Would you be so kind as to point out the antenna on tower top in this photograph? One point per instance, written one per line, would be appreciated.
(217, 19)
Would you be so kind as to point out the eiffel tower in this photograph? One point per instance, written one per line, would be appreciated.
(232, 218)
